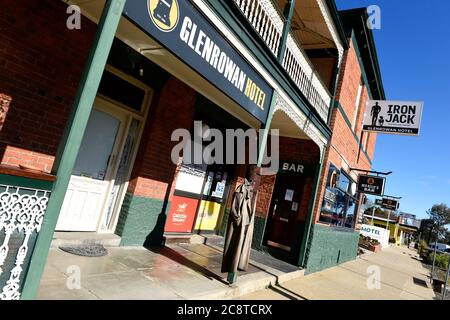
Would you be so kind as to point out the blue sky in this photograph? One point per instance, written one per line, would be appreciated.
(413, 45)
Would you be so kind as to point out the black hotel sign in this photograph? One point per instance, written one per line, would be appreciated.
(371, 185)
(390, 204)
(182, 29)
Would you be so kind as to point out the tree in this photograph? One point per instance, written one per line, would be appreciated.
(439, 216)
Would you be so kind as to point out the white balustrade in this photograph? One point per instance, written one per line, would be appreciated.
(268, 22)
(21, 215)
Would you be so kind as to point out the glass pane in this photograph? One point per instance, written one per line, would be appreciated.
(97, 145)
(124, 166)
(344, 182)
(350, 213)
(121, 91)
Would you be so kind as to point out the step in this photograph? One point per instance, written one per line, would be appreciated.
(82, 238)
(175, 239)
(213, 240)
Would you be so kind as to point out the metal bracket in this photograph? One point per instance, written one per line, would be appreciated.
(378, 173)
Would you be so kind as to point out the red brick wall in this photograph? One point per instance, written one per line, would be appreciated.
(41, 62)
(172, 108)
(343, 151)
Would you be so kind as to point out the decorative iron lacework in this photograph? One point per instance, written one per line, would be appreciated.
(302, 122)
(21, 213)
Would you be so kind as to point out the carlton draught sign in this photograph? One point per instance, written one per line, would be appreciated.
(394, 117)
(182, 29)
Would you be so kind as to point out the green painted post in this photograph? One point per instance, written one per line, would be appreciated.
(266, 128)
(288, 14)
(304, 245)
(71, 140)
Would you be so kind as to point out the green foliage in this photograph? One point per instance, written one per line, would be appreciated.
(439, 216)
(424, 252)
(441, 260)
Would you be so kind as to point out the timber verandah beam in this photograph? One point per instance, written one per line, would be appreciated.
(71, 140)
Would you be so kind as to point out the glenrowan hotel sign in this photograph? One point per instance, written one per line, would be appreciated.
(181, 28)
(395, 117)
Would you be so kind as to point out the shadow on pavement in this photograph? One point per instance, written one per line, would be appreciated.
(287, 293)
(179, 258)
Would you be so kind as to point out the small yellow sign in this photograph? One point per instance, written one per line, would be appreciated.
(208, 215)
(165, 14)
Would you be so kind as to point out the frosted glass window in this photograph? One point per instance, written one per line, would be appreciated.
(97, 145)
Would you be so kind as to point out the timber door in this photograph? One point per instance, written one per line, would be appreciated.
(94, 170)
(281, 229)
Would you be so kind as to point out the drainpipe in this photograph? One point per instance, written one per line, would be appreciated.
(71, 140)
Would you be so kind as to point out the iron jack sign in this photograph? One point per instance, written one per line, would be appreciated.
(394, 117)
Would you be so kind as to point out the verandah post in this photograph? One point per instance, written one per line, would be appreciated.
(72, 138)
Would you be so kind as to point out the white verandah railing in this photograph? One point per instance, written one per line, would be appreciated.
(268, 22)
(22, 212)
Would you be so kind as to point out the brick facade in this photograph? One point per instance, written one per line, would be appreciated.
(41, 62)
(344, 147)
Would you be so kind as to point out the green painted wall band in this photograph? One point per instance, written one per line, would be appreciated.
(25, 182)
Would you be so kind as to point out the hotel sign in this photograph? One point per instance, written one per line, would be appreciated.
(390, 204)
(394, 117)
(371, 185)
(182, 29)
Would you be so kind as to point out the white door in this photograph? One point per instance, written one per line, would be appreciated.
(93, 172)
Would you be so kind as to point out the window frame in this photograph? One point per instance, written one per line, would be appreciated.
(349, 200)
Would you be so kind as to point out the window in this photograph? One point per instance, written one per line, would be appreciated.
(357, 103)
(340, 202)
(122, 91)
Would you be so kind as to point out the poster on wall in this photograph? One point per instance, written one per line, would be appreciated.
(190, 178)
(181, 215)
(208, 215)
(393, 117)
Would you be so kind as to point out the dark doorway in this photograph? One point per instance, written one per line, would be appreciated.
(282, 227)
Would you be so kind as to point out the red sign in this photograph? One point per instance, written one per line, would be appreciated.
(181, 215)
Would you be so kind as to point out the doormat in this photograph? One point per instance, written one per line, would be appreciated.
(90, 250)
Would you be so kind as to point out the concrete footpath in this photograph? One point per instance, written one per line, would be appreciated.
(401, 277)
(178, 271)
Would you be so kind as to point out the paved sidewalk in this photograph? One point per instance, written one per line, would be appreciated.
(184, 271)
(403, 277)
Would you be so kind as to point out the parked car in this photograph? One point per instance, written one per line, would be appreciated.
(440, 246)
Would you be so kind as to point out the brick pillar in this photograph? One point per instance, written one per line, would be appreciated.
(143, 214)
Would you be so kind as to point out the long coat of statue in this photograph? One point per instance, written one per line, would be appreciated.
(239, 235)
